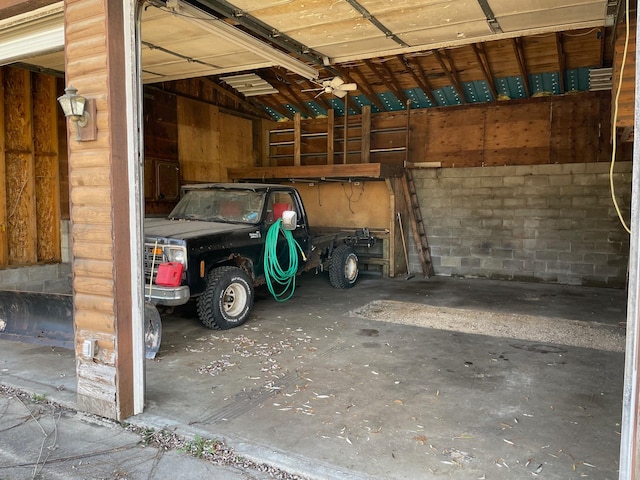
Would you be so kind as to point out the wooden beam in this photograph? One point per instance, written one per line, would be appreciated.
(378, 73)
(449, 69)
(518, 49)
(420, 79)
(562, 61)
(297, 139)
(365, 145)
(345, 132)
(483, 61)
(277, 108)
(297, 101)
(236, 98)
(370, 93)
(394, 81)
(331, 125)
(318, 172)
(4, 246)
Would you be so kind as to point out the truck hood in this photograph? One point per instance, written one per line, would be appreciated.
(185, 229)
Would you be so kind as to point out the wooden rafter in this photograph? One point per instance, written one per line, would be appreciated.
(294, 99)
(363, 86)
(562, 62)
(419, 78)
(518, 49)
(446, 63)
(378, 73)
(481, 57)
(276, 108)
(394, 80)
(236, 98)
(318, 98)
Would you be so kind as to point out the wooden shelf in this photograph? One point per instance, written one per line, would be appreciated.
(356, 171)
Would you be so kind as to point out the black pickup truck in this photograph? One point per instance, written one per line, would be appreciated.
(212, 248)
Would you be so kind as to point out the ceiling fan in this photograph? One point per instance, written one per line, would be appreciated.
(335, 85)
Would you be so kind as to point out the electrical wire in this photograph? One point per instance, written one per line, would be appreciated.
(273, 271)
(614, 120)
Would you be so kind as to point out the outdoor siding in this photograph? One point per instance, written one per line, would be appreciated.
(540, 223)
(91, 213)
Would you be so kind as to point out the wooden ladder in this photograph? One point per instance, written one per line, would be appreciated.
(417, 224)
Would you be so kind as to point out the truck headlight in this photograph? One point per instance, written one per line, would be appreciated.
(176, 254)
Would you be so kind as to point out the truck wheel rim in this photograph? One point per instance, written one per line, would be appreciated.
(234, 299)
(351, 267)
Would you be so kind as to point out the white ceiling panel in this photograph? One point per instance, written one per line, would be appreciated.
(558, 17)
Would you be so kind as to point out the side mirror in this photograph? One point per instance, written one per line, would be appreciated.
(289, 220)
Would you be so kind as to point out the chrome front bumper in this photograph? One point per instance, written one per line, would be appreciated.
(167, 295)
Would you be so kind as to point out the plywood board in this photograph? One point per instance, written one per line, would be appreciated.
(19, 168)
(4, 246)
(518, 135)
(198, 141)
(454, 137)
(626, 103)
(352, 205)
(236, 144)
(47, 184)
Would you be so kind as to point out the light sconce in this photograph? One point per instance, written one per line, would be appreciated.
(81, 111)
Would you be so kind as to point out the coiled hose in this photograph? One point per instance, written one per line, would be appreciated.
(273, 271)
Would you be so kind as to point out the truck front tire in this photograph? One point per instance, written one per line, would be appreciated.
(343, 267)
(227, 300)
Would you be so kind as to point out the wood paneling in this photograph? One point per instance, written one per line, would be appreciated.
(198, 141)
(4, 245)
(626, 103)
(19, 168)
(47, 181)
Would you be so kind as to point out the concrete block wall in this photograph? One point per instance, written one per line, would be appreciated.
(53, 278)
(539, 223)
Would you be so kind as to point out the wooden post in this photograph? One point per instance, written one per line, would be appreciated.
(100, 195)
(4, 247)
(331, 119)
(297, 140)
(365, 152)
(345, 133)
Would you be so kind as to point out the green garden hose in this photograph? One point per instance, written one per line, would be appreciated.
(273, 271)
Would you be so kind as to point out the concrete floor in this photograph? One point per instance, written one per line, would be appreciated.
(362, 384)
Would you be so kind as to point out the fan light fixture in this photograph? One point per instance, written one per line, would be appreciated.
(335, 86)
(81, 111)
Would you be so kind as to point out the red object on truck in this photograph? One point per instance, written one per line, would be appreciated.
(169, 274)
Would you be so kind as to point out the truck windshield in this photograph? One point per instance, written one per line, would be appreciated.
(211, 205)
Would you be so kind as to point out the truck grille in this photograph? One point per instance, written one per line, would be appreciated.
(149, 261)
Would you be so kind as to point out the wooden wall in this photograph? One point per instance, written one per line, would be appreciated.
(562, 129)
(627, 95)
(30, 209)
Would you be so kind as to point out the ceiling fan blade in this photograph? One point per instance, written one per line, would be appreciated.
(350, 87)
(336, 82)
(312, 89)
(339, 93)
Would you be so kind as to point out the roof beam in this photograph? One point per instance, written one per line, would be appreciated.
(363, 85)
(394, 80)
(449, 70)
(276, 108)
(391, 87)
(483, 61)
(518, 49)
(419, 77)
(236, 98)
(562, 61)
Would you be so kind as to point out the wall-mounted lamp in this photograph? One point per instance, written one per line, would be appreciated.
(81, 111)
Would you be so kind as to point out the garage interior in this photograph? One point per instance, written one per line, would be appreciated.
(490, 124)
